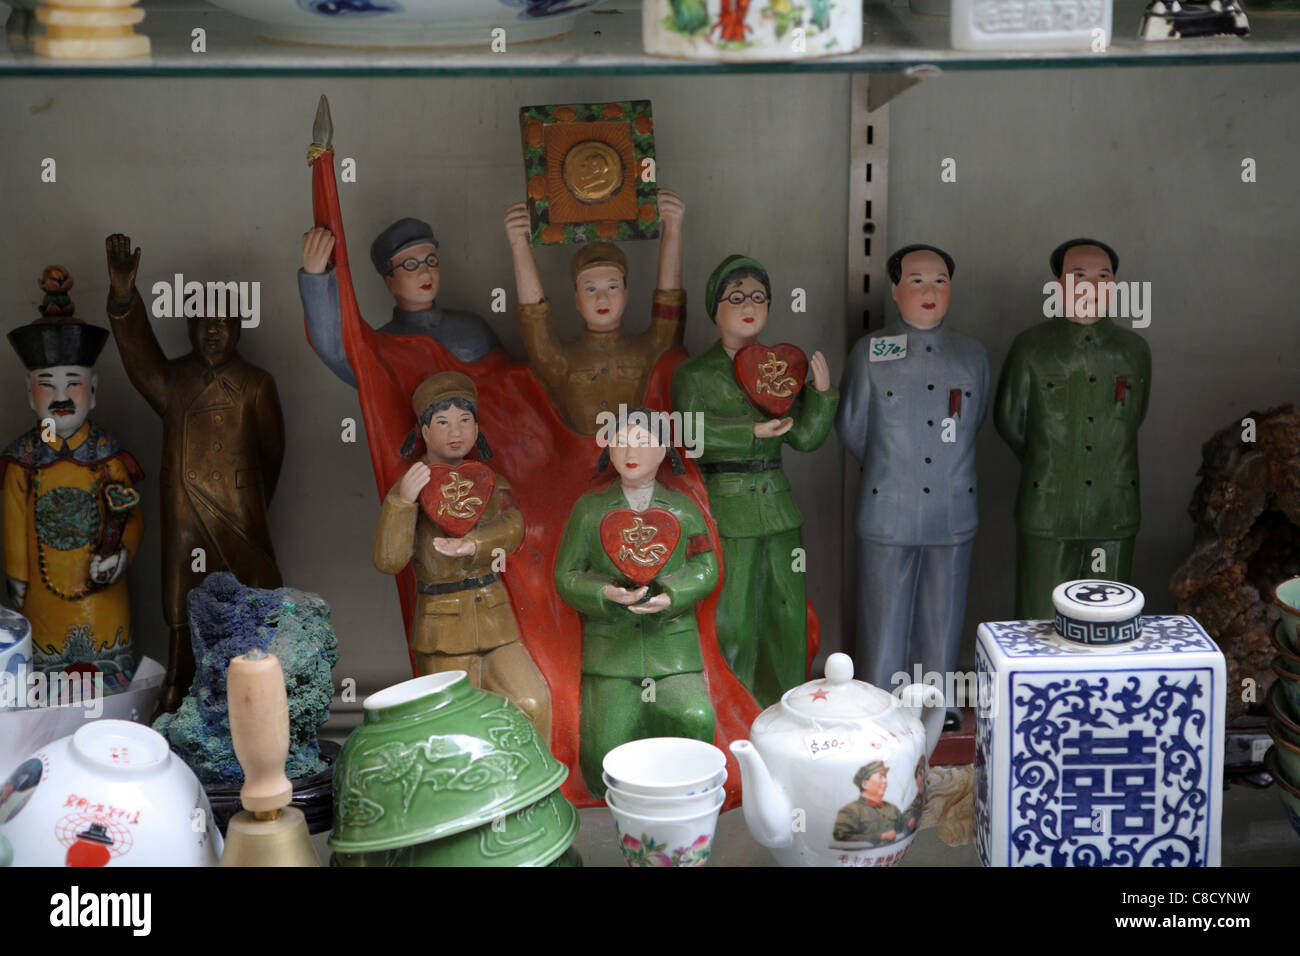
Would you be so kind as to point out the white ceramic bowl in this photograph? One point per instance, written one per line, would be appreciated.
(674, 806)
(114, 794)
(664, 766)
(667, 841)
(409, 23)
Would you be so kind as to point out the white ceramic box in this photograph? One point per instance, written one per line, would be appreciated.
(1023, 25)
(1099, 754)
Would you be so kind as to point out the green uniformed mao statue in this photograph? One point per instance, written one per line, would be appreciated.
(642, 671)
(1072, 395)
(761, 619)
(869, 819)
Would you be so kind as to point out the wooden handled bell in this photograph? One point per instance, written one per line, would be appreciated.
(268, 831)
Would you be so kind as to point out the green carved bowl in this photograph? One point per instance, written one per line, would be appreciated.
(1289, 794)
(1286, 752)
(1288, 676)
(1281, 715)
(534, 836)
(1279, 642)
(434, 757)
(1286, 596)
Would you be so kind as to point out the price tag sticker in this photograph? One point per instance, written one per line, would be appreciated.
(826, 742)
(887, 348)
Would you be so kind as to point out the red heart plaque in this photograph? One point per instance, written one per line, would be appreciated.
(640, 544)
(771, 375)
(455, 498)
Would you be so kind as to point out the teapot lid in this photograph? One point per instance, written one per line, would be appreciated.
(837, 696)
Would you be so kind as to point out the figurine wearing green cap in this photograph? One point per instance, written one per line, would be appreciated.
(869, 819)
(761, 618)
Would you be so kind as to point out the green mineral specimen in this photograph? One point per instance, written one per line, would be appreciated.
(226, 620)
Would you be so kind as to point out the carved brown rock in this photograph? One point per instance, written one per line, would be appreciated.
(1247, 539)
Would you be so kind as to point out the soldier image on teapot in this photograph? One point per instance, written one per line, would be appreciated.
(1071, 398)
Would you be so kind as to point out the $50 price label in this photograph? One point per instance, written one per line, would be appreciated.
(827, 742)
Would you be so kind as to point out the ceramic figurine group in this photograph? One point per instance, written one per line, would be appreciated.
(649, 570)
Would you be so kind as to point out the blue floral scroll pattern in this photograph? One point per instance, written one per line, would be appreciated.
(983, 764)
(1161, 634)
(536, 9)
(1173, 710)
(350, 8)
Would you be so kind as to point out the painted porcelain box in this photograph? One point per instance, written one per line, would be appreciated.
(1099, 736)
(750, 29)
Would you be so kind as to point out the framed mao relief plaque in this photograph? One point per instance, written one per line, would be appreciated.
(590, 172)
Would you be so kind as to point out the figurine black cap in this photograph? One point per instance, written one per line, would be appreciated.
(1058, 254)
(894, 264)
(400, 235)
(45, 344)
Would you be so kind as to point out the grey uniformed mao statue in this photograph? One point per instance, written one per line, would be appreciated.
(406, 255)
(913, 399)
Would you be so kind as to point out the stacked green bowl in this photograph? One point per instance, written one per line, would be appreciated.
(441, 773)
(1283, 760)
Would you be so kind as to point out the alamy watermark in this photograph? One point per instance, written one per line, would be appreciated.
(1122, 300)
(31, 688)
(974, 689)
(684, 430)
(180, 299)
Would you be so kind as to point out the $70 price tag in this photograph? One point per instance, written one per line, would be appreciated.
(826, 742)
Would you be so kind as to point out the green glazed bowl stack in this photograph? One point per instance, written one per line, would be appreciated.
(441, 773)
(1283, 760)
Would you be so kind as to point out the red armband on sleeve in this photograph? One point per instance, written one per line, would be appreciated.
(698, 544)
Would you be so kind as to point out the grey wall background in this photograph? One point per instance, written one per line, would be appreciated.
(208, 177)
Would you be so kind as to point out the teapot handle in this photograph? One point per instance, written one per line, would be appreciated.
(925, 701)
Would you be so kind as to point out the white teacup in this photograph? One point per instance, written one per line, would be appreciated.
(113, 794)
(686, 840)
(664, 766)
(671, 806)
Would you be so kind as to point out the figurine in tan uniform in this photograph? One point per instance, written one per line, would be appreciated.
(463, 618)
(223, 444)
(607, 366)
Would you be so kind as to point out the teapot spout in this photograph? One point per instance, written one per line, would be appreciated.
(766, 805)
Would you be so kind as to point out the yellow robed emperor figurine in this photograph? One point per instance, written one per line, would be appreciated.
(72, 523)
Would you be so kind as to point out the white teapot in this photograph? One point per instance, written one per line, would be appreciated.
(834, 774)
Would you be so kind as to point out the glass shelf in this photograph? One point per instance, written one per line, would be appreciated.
(608, 41)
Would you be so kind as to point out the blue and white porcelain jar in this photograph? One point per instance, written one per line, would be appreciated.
(15, 658)
(1099, 740)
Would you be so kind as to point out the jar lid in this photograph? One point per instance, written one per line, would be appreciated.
(1098, 612)
(837, 696)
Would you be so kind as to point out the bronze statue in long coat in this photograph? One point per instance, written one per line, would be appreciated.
(223, 444)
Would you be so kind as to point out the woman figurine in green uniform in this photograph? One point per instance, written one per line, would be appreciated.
(762, 618)
(642, 671)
